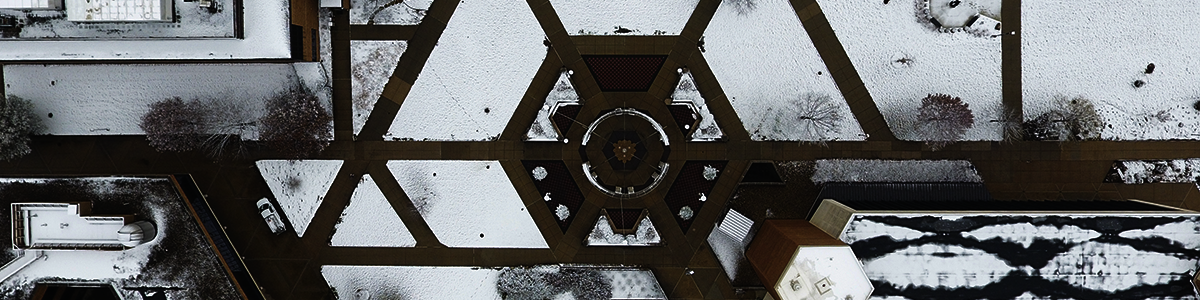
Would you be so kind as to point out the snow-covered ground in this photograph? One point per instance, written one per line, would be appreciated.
(190, 21)
(745, 48)
(394, 282)
(468, 203)
(370, 221)
(266, 36)
(417, 282)
(476, 75)
(1158, 171)
(850, 170)
(603, 235)
(902, 58)
(633, 17)
(111, 99)
(563, 92)
(389, 12)
(299, 186)
(729, 242)
(687, 92)
(1098, 50)
(372, 63)
(190, 264)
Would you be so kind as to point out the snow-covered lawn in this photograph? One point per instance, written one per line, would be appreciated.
(603, 235)
(372, 63)
(370, 221)
(765, 75)
(849, 170)
(299, 186)
(190, 21)
(476, 75)
(468, 203)
(179, 256)
(633, 17)
(902, 58)
(393, 282)
(397, 282)
(407, 12)
(111, 99)
(1098, 51)
(266, 36)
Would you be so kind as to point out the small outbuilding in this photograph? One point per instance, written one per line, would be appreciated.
(68, 226)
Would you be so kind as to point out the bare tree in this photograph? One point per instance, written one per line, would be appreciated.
(175, 125)
(1011, 128)
(1073, 119)
(296, 124)
(227, 120)
(943, 120)
(17, 123)
(817, 116)
(742, 7)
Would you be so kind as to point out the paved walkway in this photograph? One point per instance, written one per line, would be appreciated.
(289, 268)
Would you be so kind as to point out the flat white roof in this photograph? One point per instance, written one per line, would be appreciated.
(59, 224)
(119, 10)
(31, 4)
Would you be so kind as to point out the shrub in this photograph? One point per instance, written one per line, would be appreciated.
(296, 124)
(1011, 129)
(1072, 120)
(742, 7)
(943, 120)
(17, 124)
(175, 125)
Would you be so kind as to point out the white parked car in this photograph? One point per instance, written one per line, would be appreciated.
(269, 214)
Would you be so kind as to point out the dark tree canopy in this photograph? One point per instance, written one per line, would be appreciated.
(1074, 119)
(944, 119)
(17, 123)
(296, 124)
(175, 125)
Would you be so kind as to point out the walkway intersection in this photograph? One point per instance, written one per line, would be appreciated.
(287, 267)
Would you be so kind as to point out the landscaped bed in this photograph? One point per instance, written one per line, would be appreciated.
(179, 257)
(372, 64)
(388, 12)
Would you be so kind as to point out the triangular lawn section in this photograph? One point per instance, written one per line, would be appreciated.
(299, 186)
(370, 221)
